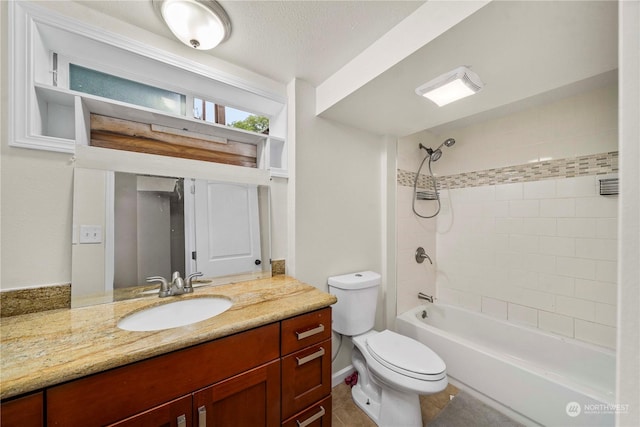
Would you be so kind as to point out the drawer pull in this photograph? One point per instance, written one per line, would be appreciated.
(313, 418)
(306, 334)
(309, 358)
(202, 416)
(182, 421)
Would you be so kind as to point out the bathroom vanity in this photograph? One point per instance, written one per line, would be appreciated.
(265, 361)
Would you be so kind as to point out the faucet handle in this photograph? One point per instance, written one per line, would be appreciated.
(164, 285)
(188, 284)
(160, 279)
(421, 255)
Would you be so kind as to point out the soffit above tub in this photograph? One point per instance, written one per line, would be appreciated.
(520, 49)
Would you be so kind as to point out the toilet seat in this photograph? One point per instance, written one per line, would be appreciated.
(406, 356)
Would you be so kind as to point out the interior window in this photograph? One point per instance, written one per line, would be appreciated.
(96, 83)
(208, 111)
(214, 113)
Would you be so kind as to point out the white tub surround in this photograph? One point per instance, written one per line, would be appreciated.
(537, 375)
(523, 233)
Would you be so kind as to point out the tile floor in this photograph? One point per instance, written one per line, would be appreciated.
(345, 413)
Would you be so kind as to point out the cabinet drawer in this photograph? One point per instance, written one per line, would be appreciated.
(318, 415)
(304, 330)
(306, 377)
(26, 411)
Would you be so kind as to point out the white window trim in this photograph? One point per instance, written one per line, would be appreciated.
(23, 19)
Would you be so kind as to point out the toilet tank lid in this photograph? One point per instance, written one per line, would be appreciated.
(359, 280)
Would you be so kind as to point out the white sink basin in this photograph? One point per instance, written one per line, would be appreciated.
(175, 314)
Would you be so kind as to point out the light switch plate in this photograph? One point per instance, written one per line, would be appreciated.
(90, 234)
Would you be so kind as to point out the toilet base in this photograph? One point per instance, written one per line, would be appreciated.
(386, 406)
(389, 408)
(392, 400)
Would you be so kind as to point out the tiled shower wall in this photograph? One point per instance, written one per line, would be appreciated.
(529, 239)
(541, 253)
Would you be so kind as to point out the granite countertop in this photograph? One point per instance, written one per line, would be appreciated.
(43, 349)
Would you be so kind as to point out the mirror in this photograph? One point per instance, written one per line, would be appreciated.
(127, 227)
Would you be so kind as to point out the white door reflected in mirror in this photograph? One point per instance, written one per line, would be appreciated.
(131, 226)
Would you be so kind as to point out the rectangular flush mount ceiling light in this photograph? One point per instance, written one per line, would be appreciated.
(451, 86)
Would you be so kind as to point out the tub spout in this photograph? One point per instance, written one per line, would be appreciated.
(428, 298)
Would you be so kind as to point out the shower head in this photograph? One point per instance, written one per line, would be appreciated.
(437, 153)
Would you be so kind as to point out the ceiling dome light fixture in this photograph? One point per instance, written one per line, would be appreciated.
(200, 24)
(451, 86)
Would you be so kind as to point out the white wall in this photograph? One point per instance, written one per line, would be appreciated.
(37, 187)
(339, 177)
(539, 252)
(578, 125)
(89, 269)
(338, 195)
(36, 217)
(36, 194)
(279, 218)
(628, 368)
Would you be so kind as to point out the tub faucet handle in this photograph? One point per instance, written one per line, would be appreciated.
(421, 255)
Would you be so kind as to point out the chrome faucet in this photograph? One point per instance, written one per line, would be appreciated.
(178, 285)
(428, 298)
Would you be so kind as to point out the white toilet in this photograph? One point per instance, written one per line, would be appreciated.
(393, 370)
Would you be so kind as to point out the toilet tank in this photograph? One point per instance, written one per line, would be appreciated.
(357, 293)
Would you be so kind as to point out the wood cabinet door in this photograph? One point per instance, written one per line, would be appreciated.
(27, 411)
(176, 413)
(119, 393)
(248, 399)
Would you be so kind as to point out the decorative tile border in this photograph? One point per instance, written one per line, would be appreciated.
(596, 164)
(406, 178)
(33, 300)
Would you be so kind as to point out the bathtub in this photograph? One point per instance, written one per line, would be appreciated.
(538, 377)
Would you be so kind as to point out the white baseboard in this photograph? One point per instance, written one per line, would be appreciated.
(338, 377)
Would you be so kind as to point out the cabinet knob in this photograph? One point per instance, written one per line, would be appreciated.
(312, 418)
(182, 421)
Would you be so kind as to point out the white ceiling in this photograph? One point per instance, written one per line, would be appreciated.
(283, 39)
(520, 49)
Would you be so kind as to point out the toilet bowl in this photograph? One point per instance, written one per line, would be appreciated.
(393, 369)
